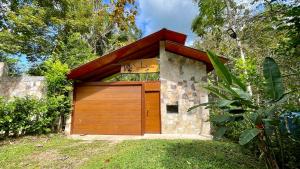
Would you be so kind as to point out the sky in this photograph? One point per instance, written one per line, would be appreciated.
(176, 15)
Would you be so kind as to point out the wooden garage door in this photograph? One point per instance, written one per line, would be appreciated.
(107, 110)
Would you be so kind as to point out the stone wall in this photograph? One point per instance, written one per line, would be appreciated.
(20, 86)
(181, 79)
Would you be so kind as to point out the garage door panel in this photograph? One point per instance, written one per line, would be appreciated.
(126, 109)
(115, 118)
(108, 128)
(106, 92)
(107, 110)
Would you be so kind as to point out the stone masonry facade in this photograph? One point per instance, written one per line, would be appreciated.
(181, 79)
(20, 86)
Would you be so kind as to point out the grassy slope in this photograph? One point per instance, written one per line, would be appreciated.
(59, 152)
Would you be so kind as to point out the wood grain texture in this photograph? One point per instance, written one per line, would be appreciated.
(152, 86)
(108, 109)
(152, 112)
(125, 53)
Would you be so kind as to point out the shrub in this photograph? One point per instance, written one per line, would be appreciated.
(6, 110)
(58, 109)
(58, 88)
(30, 115)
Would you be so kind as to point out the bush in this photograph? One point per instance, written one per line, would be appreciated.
(58, 89)
(29, 115)
(58, 108)
(6, 110)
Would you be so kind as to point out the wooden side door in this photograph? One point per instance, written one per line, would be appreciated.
(152, 112)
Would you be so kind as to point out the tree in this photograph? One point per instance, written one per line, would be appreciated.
(38, 29)
(263, 32)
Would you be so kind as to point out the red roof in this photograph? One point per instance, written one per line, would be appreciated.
(147, 47)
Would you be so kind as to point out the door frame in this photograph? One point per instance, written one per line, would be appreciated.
(146, 86)
(153, 86)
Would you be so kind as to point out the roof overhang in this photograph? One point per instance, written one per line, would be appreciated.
(106, 65)
(147, 47)
(191, 53)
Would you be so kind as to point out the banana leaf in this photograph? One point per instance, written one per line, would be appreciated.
(220, 69)
(216, 90)
(238, 82)
(202, 104)
(248, 135)
(220, 132)
(221, 119)
(274, 85)
(242, 94)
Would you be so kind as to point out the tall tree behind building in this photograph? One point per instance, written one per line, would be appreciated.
(38, 29)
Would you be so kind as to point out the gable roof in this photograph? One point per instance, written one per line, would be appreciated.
(146, 47)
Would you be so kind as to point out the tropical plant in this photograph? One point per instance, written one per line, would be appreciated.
(262, 119)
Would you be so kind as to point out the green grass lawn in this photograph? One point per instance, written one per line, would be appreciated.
(57, 151)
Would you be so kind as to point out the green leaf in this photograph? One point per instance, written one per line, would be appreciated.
(274, 85)
(242, 94)
(225, 103)
(219, 119)
(229, 90)
(269, 111)
(202, 104)
(271, 121)
(220, 132)
(283, 98)
(220, 68)
(248, 135)
(216, 91)
(256, 117)
(238, 82)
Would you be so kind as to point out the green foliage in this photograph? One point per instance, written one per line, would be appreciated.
(6, 109)
(13, 69)
(220, 69)
(28, 116)
(272, 75)
(237, 106)
(31, 116)
(74, 52)
(133, 77)
(55, 75)
(210, 16)
(248, 135)
(30, 33)
(72, 30)
(272, 31)
(58, 89)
